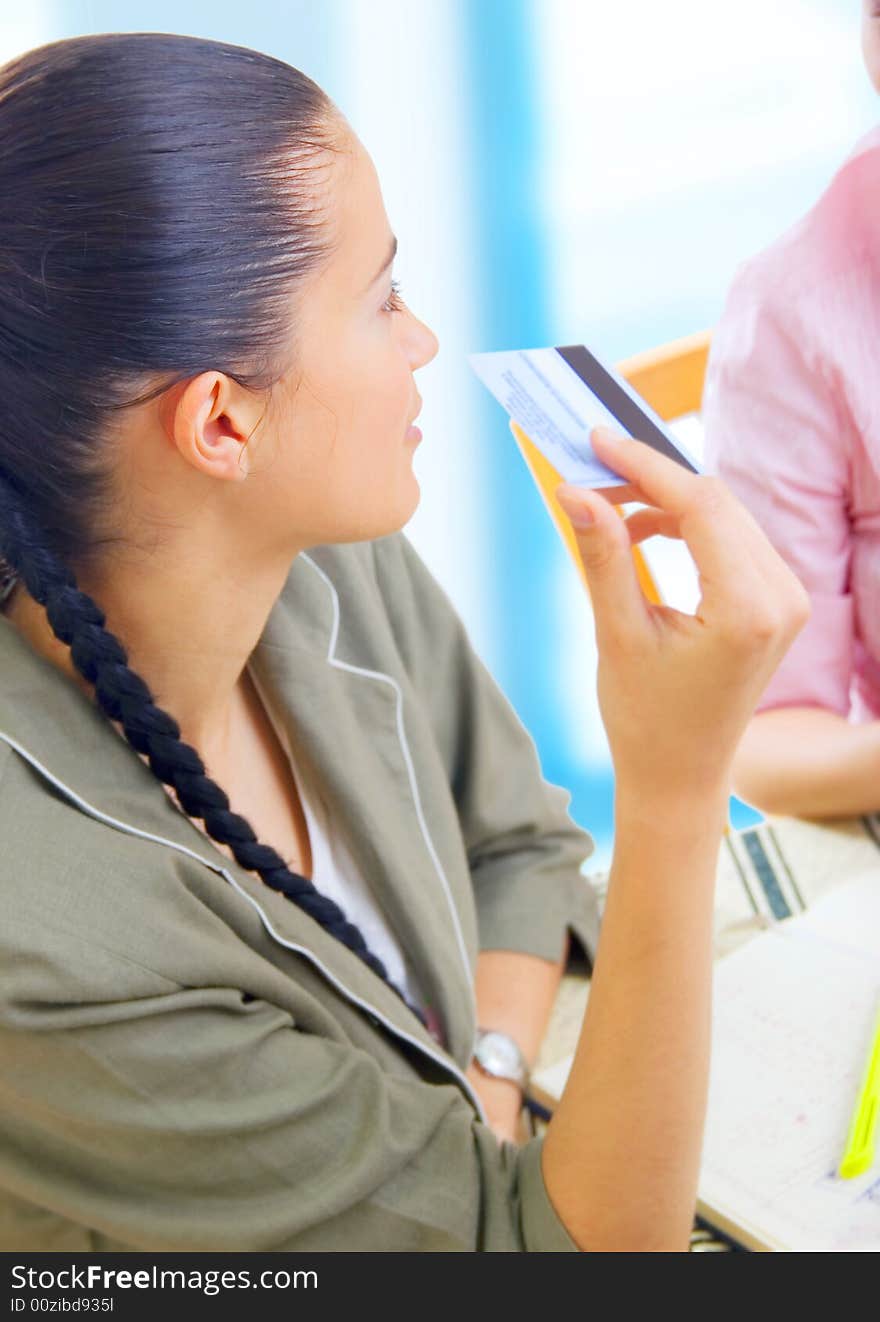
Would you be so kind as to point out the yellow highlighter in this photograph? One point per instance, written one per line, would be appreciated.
(859, 1154)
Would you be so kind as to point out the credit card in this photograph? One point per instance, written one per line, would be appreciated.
(558, 395)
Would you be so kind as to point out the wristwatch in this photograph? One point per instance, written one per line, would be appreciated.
(499, 1055)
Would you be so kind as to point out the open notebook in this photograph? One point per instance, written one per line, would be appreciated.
(793, 1016)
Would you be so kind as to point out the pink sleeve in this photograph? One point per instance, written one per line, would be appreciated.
(776, 435)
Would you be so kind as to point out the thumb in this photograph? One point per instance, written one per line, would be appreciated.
(606, 553)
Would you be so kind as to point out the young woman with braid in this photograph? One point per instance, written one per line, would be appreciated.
(274, 843)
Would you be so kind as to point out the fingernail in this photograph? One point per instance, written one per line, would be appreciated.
(572, 502)
(606, 434)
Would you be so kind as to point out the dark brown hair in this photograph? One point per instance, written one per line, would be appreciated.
(158, 205)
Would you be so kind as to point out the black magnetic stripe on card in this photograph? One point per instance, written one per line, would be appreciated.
(779, 906)
(627, 412)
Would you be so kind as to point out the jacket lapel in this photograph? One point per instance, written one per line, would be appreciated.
(344, 726)
(349, 734)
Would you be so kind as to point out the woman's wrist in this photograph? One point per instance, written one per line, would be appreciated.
(514, 995)
(502, 1101)
(672, 814)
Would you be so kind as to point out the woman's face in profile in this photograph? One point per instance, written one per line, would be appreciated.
(341, 453)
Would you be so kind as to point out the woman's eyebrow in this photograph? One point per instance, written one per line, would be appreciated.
(392, 253)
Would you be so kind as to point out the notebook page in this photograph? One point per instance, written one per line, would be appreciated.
(793, 1014)
(794, 1011)
(849, 915)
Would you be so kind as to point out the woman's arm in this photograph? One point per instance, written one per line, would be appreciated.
(621, 1156)
(515, 994)
(809, 762)
(629, 1128)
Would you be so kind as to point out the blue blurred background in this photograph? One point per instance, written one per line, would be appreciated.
(557, 171)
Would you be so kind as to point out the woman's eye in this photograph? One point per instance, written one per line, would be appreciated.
(393, 303)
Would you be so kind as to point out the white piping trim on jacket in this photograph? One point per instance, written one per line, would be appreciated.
(407, 757)
(291, 945)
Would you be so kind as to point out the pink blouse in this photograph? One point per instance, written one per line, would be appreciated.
(792, 417)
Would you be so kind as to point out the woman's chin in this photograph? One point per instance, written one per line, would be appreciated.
(408, 503)
(395, 515)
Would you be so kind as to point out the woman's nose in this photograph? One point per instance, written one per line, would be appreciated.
(422, 343)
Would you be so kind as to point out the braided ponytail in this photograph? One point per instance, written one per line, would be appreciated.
(8, 580)
(79, 332)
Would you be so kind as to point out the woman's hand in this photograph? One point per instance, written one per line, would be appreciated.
(676, 691)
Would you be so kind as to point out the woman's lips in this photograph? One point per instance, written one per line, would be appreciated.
(413, 432)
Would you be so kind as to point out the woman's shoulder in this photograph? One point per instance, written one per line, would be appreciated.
(96, 878)
(65, 890)
(833, 239)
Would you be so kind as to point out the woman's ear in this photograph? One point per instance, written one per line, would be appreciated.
(209, 420)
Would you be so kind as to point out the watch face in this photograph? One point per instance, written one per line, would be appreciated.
(499, 1055)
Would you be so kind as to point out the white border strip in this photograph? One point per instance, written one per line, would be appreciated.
(290, 945)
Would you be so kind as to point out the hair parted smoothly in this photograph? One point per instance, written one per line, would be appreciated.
(148, 182)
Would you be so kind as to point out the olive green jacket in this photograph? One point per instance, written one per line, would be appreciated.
(189, 1062)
